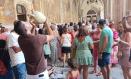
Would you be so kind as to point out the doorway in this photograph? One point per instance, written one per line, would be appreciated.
(91, 15)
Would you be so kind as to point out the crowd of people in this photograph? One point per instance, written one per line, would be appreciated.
(28, 49)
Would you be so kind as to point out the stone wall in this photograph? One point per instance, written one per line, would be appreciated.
(116, 9)
(57, 11)
(98, 7)
(62, 11)
(7, 14)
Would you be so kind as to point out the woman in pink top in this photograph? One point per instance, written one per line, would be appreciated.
(114, 59)
(96, 38)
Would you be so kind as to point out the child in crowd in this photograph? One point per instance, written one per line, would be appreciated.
(74, 72)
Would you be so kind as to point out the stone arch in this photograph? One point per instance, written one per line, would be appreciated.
(91, 12)
(25, 3)
(98, 7)
(21, 12)
(91, 15)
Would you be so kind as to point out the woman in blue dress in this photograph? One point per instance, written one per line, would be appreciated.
(55, 46)
(83, 43)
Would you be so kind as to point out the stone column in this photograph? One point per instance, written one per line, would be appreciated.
(106, 8)
(124, 7)
(15, 12)
(102, 14)
(111, 9)
(71, 17)
(61, 11)
(128, 7)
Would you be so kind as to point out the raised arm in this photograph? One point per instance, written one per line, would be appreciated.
(51, 35)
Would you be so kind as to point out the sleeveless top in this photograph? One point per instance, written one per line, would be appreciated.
(67, 40)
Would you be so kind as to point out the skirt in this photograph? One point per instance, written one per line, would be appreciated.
(84, 57)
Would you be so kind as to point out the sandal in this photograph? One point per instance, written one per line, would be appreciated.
(51, 71)
(99, 74)
(92, 72)
(60, 59)
(50, 74)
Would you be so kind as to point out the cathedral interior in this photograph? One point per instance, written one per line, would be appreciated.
(62, 11)
(66, 11)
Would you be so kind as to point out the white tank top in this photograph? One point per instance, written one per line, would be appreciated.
(66, 40)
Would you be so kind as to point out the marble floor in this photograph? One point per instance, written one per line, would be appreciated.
(60, 73)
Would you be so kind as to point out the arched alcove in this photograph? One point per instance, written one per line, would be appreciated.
(21, 12)
(91, 12)
(91, 15)
(93, 9)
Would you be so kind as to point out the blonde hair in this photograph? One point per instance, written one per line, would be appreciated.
(87, 28)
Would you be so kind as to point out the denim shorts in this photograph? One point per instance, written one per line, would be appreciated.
(105, 60)
(20, 71)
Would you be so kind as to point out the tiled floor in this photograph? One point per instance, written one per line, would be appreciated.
(60, 73)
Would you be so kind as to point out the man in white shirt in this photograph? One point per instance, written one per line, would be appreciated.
(16, 56)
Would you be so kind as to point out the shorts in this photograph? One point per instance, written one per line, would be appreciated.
(43, 75)
(66, 49)
(46, 56)
(20, 71)
(105, 60)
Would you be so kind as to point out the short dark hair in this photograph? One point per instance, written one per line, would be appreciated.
(80, 24)
(102, 21)
(76, 27)
(65, 28)
(71, 23)
(72, 64)
(19, 28)
(41, 31)
(2, 29)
